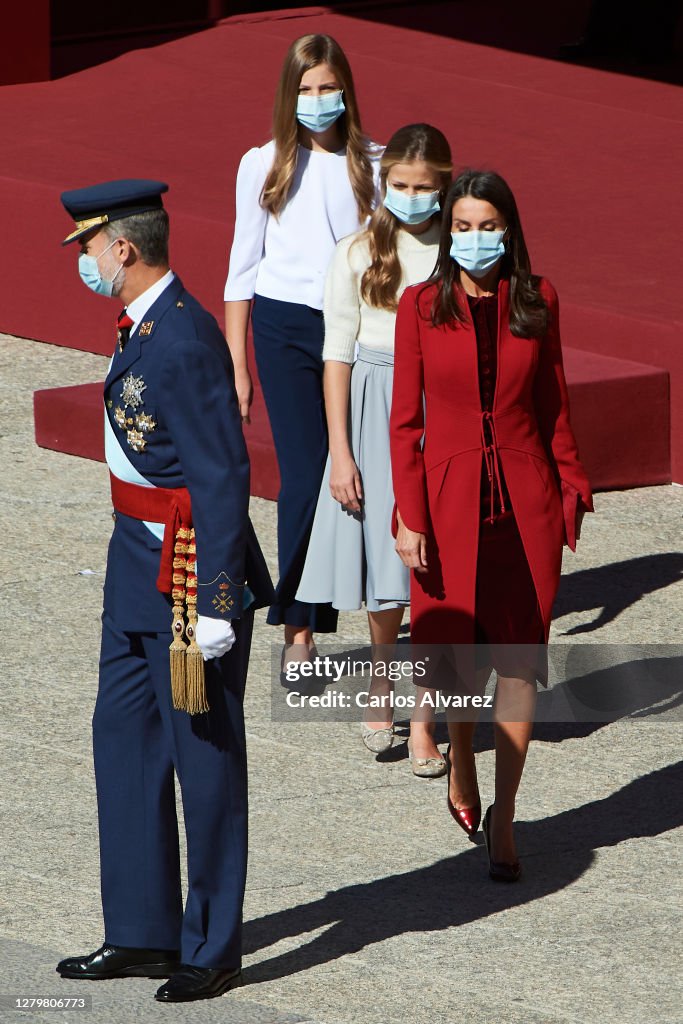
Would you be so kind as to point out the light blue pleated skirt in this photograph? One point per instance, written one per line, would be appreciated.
(351, 559)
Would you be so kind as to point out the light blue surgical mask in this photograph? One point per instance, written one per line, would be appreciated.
(411, 209)
(89, 270)
(477, 251)
(317, 113)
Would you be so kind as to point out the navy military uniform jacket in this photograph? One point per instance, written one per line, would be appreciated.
(171, 404)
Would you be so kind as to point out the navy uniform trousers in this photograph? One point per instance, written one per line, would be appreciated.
(288, 345)
(138, 740)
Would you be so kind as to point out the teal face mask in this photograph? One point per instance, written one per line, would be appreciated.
(318, 112)
(411, 209)
(477, 251)
(89, 270)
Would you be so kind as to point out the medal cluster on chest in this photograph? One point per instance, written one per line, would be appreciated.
(137, 425)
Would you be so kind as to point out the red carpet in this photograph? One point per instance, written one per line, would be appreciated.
(604, 393)
(592, 156)
(70, 420)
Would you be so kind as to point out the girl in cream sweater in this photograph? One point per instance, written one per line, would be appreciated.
(351, 558)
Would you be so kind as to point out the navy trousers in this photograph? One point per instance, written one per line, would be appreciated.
(139, 741)
(288, 343)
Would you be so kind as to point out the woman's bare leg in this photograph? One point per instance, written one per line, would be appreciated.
(298, 644)
(384, 627)
(463, 786)
(423, 723)
(513, 724)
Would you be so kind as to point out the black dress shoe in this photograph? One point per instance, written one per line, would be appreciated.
(121, 962)
(198, 983)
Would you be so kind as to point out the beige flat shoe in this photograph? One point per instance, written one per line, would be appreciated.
(427, 767)
(377, 740)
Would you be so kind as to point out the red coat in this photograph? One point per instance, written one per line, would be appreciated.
(437, 488)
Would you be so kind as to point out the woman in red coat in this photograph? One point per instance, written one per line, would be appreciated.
(486, 501)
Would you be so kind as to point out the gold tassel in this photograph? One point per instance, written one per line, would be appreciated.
(178, 646)
(197, 702)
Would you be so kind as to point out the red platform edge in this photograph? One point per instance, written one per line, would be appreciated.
(620, 415)
(577, 127)
(70, 420)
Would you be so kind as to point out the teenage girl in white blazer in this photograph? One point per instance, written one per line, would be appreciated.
(297, 196)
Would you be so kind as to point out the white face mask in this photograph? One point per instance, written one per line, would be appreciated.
(477, 251)
(88, 268)
(411, 209)
(318, 112)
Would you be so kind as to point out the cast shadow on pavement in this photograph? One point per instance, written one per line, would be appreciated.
(633, 690)
(457, 890)
(614, 588)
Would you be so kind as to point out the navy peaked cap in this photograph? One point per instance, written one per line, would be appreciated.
(96, 205)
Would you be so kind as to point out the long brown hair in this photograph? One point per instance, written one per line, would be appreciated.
(529, 314)
(305, 53)
(381, 281)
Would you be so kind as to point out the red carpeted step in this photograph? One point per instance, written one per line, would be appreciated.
(620, 413)
(70, 420)
(576, 144)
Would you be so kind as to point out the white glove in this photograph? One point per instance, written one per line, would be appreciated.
(214, 636)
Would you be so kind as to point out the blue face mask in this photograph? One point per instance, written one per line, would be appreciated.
(477, 251)
(411, 209)
(89, 270)
(318, 112)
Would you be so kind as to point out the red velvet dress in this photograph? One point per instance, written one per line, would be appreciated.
(525, 440)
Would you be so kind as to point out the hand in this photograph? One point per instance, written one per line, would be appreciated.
(245, 393)
(214, 636)
(411, 547)
(345, 485)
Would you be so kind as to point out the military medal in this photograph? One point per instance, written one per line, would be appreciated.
(137, 425)
(131, 393)
(137, 440)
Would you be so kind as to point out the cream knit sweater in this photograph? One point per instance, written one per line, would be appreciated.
(348, 319)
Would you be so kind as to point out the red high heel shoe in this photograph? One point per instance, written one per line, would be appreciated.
(468, 818)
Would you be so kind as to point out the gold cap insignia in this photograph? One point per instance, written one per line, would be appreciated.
(82, 226)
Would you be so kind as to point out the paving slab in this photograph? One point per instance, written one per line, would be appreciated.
(364, 904)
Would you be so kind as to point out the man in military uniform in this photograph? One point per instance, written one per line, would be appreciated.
(183, 565)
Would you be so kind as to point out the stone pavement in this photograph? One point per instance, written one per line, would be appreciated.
(364, 902)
